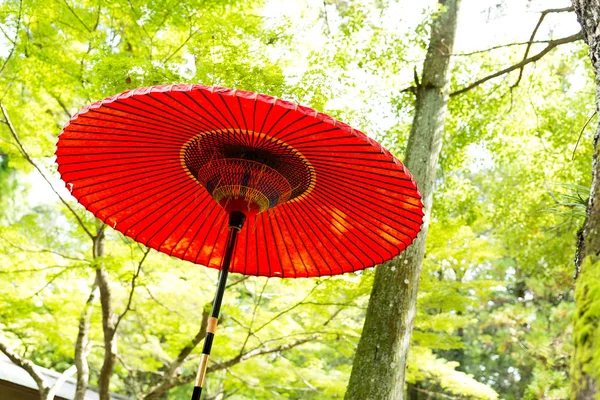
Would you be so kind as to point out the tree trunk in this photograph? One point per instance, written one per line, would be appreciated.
(82, 348)
(586, 356)
(379, 366)
(108, 317)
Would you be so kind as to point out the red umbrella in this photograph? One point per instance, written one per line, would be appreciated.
(183, 168)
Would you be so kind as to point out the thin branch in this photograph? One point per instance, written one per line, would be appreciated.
(259, 351)
(169, 309)
(537, 27)
(16, 37)
(289, 308)
(62, 105)
(551, 45)
(55, 277)
(581, 133)
(242, 279)
(256, 304)
(77, 16)
(24, 270)
(500, 46)
(66, 257)
(30, 160)
(190, 36)
(131, 292)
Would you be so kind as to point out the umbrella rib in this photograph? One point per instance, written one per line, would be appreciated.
(277, 247)
(266, 247)
(284, 137)
(217, 109)
(133, 145)
(239, 102)
(180, 199)
(285, 246)
(164, 171)
(166, 128)
(254, 123)
(154, 161)
(365, 186)
(176, 178)
(365, 201)
(320, 208)
(219, 234)
(312, 262)
(143, 117)
(217, 123)
(131, 156)
(301, 207)
(181, 223)
(277, 121)
(341, 205)
(316, 249)
(335, 170)
(246, 252)
(230, 113)
(210, 125)
(177, 187)
(208, 214)
(378, 235)
(112, 133)
(184, 117)
(197, 209)
(178, 182)
(262, 127)
(158, 116)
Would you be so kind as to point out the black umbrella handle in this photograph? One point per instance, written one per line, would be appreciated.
(236, 221)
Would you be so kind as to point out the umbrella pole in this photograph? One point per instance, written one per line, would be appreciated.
(236, 221)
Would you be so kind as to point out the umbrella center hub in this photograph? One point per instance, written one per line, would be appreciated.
(247, 171)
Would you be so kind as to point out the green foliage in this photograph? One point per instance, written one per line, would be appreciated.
(496, 301)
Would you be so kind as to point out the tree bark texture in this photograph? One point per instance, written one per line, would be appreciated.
(108, 316)
(378, 371)
(585, 367)
(82, 348)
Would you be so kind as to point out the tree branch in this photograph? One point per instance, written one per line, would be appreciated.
(551, 45)
(61, 104)
(190, 36)
(131, 292)
(28, 366)
(537, 27)
(77, 16)
(259, 351)
(16, 37)
(66, 257)
(500, 46)
(172, 370)
(15, 136)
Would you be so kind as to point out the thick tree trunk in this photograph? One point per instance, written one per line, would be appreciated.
(586, 356)
(379, 366)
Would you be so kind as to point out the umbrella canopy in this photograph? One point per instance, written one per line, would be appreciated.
(166, 165)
